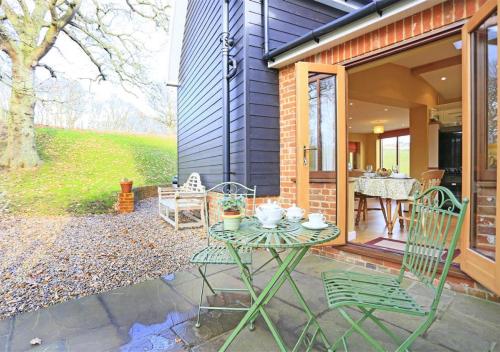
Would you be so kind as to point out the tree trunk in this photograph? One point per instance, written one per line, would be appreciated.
(21, 150)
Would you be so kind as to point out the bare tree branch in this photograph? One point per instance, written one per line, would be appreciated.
(48, 68)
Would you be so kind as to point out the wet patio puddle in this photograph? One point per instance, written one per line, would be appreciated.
(156, 337)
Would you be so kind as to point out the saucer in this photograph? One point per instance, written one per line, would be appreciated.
(310, 226)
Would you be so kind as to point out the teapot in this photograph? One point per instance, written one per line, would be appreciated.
(294, 213)
(269, 214)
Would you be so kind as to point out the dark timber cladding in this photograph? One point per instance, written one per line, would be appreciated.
(253, 92)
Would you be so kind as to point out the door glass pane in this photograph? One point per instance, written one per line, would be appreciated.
(313, 125)
(404, 154)
(484, 146)
(328, 118)
(323, 143)
(389, 152)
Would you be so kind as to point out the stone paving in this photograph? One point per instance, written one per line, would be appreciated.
(159, 315)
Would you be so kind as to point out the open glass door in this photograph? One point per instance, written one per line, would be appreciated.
(322, 142)
(480, 247)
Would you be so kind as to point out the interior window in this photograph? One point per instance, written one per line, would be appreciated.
(395, 151)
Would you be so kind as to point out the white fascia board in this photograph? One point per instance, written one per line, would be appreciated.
(339, 5)
(391, 14)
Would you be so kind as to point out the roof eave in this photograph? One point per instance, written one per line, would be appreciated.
(353, 25)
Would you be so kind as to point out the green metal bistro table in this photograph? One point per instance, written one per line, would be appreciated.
(287, 235)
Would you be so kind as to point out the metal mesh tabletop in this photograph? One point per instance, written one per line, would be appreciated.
(285, 235)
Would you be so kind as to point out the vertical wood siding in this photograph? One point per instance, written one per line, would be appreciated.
(288, 19)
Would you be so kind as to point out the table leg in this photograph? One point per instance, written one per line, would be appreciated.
(258, 305)
(312, 322)
(388, 211)
(286, 266)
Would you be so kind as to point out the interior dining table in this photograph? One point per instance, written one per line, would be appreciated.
(387, 189)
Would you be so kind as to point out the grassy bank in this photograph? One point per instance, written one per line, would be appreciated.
(82, 170)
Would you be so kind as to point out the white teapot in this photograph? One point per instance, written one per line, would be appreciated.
(294, 213)
(269, 214)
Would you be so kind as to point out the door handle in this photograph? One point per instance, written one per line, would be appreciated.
(305, 150)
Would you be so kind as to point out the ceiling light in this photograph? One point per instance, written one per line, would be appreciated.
(386, 109)
(351, 103)
(350, 118)
(378, 129)
(458, 44)
(350, 127)
(443, 78)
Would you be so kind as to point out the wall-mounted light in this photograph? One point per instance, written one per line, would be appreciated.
(378, 129)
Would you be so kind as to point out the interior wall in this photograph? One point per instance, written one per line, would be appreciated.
(419, 141)
(371, 150)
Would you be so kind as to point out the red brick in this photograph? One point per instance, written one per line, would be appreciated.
(427, 20)
(407, 27)
(391, 35)
(383, 36)
(417, 24)
(400, 31)
(437, 16)
(470, 7)
(459, 9)
(448, 12)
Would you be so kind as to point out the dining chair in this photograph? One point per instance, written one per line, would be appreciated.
(216, 253)
(434, 215)
(428, 179)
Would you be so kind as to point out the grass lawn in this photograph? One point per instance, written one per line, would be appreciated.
(82, 170)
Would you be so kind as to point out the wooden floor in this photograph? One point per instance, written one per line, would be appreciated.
(374, 226)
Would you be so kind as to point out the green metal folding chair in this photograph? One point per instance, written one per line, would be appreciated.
(436, 219)
(218, 254)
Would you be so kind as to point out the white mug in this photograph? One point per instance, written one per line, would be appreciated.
(317, 218)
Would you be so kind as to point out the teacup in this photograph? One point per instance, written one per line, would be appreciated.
(317, 219)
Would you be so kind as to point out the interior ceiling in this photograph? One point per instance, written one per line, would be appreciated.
(363, 116)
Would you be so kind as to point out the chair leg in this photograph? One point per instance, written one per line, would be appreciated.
(252, 322)
(201, 293)
(356, 326)
(419, 331)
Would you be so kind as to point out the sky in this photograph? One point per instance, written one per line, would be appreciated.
(161, 59)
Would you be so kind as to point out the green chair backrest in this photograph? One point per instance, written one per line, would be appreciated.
(232, 189)
(436, 219)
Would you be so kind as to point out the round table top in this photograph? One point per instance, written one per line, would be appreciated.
(286, 235)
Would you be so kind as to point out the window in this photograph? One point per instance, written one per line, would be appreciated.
(322, 123)
(395, 151)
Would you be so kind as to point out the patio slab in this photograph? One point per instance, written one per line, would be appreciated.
(159, 315)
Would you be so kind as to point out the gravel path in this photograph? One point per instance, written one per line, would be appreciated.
(46, 260)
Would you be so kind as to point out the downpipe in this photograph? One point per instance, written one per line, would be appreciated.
(229, 69)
